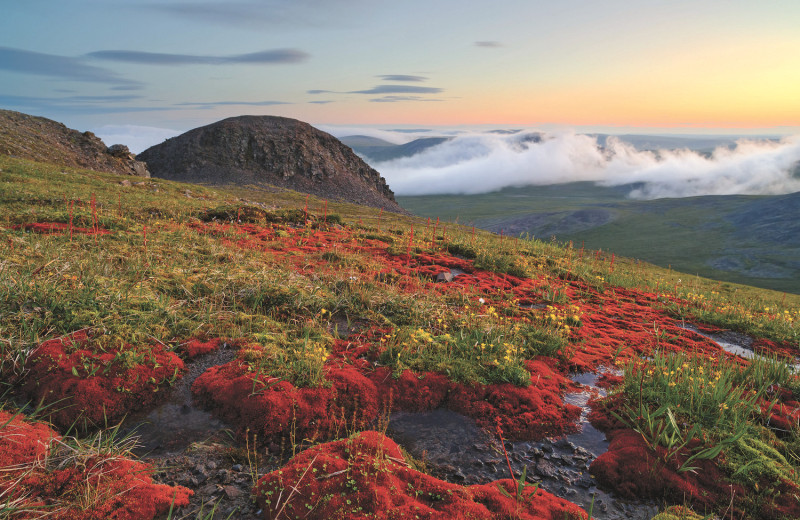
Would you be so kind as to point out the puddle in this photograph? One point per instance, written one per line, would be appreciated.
(456, 450)
(733, 342)
(176, 423)
(534, 306)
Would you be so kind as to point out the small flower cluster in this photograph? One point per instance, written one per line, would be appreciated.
(563, 318)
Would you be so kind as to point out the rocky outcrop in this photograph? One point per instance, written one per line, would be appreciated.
(268, 150)
(45, 140)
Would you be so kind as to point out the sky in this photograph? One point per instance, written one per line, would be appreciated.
(146, 69)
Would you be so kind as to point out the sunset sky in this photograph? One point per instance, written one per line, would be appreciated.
(681, 66)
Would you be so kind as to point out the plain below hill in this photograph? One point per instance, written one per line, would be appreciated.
(45, 140)
(747, 239)
(270, 151)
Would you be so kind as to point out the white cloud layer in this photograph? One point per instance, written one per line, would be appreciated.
(480, 163)
(136, 138)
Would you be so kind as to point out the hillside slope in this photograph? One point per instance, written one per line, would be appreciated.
(270, 150)
(737, 238)
(230, 335)
(42, 139)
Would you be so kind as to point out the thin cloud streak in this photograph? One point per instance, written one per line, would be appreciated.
(396, 99)
(212, 104)
(402, 77)
(157, 58)
(488, 44)
(63, 67)
(398, 89)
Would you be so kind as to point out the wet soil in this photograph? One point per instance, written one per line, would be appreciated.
(453, 448)
(176, 422)
(189, 447)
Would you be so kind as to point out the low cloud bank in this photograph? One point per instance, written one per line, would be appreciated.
(481, 163)
(136, 138)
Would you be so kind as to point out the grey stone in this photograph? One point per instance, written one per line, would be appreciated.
(444, 277)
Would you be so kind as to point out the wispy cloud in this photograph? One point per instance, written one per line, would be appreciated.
(398, 89)
(67, 100)
(488, 44)
(322, 102)
(63, 67)
(158, 58)
(230, 13)
(212, 104)
(395, 99)
(128, 87)
(255, 15)
(319, 91)
(401, 77)
(79, 104)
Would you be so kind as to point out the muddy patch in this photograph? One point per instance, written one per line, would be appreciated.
(189, 447)
(176, 423)
(453, 448)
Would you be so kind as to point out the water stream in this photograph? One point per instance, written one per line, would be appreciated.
(454, 449)
(176, 423)
(734, 343)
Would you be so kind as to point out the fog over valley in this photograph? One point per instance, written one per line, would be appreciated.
(486, 162)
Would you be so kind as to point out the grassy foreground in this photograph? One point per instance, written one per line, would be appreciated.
(109, 289)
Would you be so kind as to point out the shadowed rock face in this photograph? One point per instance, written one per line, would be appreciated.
(42, 139)
(270, 150)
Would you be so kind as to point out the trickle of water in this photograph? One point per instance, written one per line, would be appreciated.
(458, 451)
(176, 423)
(733, 342)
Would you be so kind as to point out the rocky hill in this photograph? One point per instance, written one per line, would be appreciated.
(273, 151)
(42, 139)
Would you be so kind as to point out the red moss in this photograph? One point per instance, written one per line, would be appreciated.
(196, 347)
(530, 412)
(119, 488)
(83, 383)
(50, 228)
(357, 391)
(22, 442)
(784, 349)
(608, 380)
(632, 470)
(366, 476)
(271, 408)
(411, 392)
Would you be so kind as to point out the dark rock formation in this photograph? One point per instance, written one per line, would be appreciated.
(45, 140)
(278, 151)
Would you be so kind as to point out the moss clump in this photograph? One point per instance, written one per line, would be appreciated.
(677, 513)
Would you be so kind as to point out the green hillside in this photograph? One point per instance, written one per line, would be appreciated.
(752, 240)
(170, 350)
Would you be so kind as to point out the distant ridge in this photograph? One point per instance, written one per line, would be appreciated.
(271, 150)
(378, 150)
(45, 140)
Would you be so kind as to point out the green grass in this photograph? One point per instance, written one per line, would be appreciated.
(701, 235)
(164, 275)
(701, 408)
